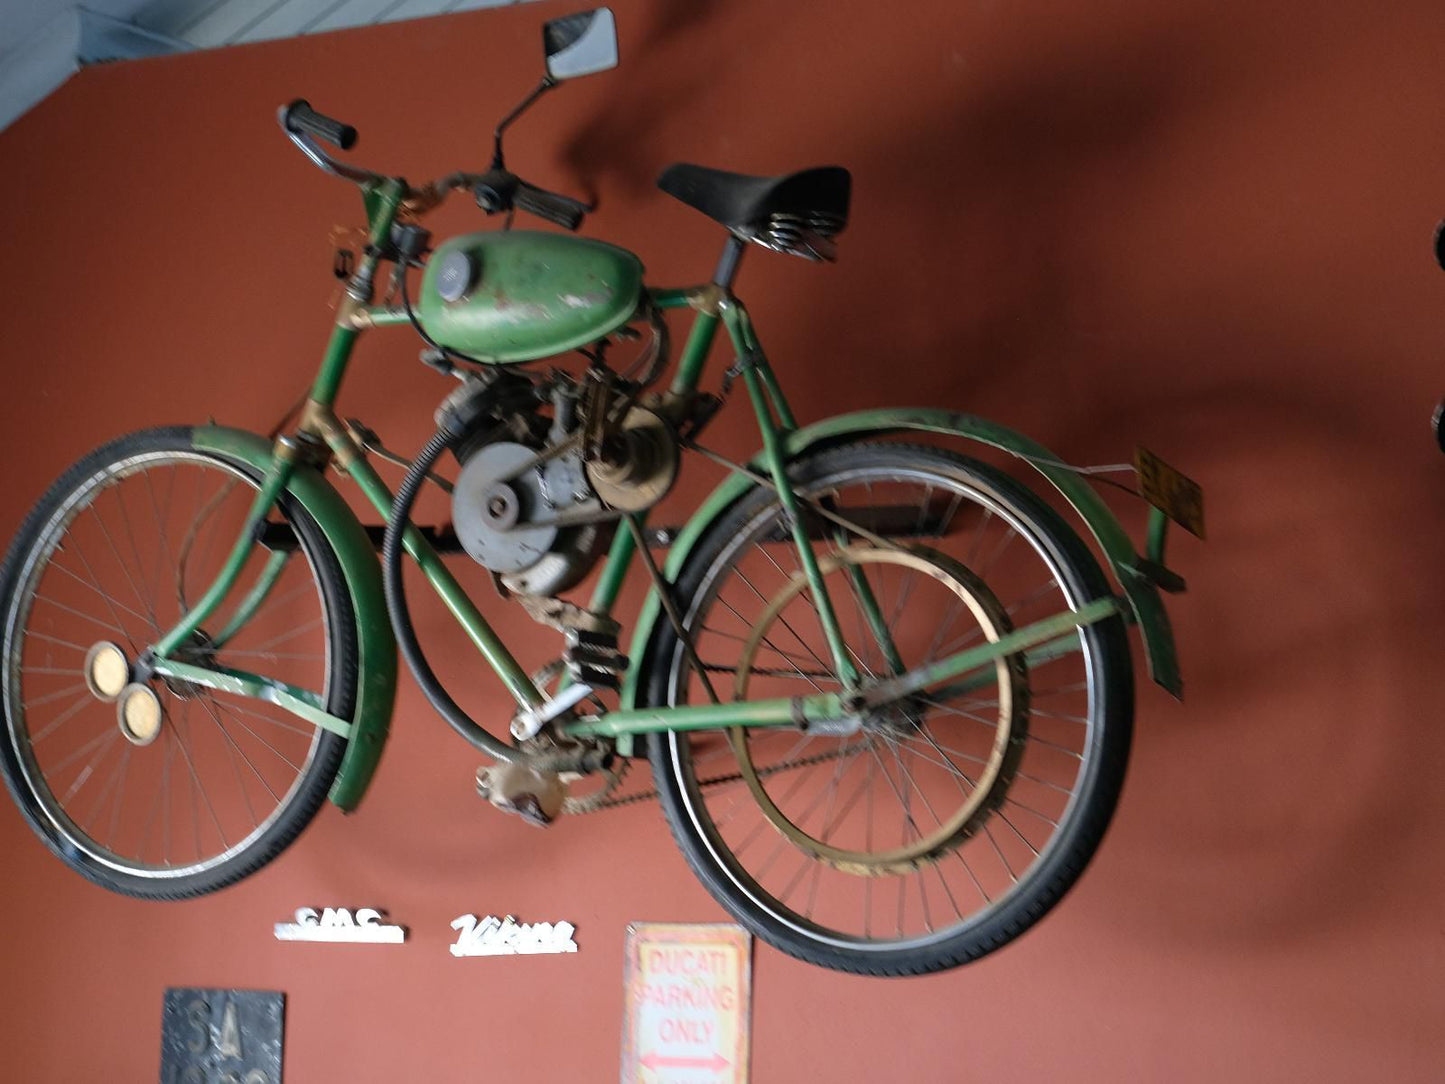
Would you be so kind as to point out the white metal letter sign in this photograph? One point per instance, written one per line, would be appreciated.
(337, 925)
(508, 937)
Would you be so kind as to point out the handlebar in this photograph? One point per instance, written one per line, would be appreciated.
(559, 210)
(496, 190)
(299, 118)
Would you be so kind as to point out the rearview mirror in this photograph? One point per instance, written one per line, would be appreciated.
(580, 44)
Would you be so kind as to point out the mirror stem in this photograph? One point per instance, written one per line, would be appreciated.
(545, 85)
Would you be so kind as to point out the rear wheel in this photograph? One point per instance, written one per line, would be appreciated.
(953, 820)
(149, 786)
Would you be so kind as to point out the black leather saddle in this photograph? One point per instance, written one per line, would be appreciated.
(799, 213)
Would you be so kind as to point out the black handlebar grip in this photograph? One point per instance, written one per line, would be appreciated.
(561, 210)
(301, 118)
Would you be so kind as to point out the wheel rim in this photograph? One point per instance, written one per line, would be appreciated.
(984, 791)
(1005, 831)
(217, 772)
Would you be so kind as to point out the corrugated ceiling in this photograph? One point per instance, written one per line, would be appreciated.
(43, 42)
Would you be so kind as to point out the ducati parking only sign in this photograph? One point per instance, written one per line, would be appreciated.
(688, 999)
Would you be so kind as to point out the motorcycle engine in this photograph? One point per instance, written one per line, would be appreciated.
(509, 497)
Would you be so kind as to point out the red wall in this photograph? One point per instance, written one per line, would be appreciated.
(1204, 227)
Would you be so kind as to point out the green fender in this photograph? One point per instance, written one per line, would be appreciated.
(376, 673)
(1139, 589)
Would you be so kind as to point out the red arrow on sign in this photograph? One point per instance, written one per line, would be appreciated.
(658, 1061)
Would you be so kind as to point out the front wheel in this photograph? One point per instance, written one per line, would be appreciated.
(954, 819)
(149, 786)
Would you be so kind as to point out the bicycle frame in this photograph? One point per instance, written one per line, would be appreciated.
(286, 466)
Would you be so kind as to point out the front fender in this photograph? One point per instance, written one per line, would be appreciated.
(1118, 549)
(377, 666)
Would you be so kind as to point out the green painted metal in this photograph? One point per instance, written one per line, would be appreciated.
(1030, 635)
(333, 364)
(614, 571)
(775, 393)
(1157, 536)
(270, 573)
(694, 353)
(673, 297)
(777, 465)
(382, 202)
(535, 294)
(519, 683)
(785, 711)
(299, 702)
(985, 676)
(278, 473)
(802, 710)
(385, 315)
(377, 665)
(863, 590)
(1143, 596)
(745, 343)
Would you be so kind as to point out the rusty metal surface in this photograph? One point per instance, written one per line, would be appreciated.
(1176, 495)
(211, 1036)
(687, 1003)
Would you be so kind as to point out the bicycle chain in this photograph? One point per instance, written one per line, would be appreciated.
(714, 781)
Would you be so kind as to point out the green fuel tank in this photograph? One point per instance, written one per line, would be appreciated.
(519, 295)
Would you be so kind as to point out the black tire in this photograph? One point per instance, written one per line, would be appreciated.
(1103, 752)
(26, 566)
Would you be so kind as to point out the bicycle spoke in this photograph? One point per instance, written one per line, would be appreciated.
(229, 652)
(819, 661)
(89, 769)
(280, 755)
(110, 542)
(227, 706)
(135, 551)
(274, 600)
(163, 551)
(196, 781)
(231, 749)
(55, 640)
(102, 623)
(100, 739)
(119, 796)
(58, 567)
(50, 698)
(930, 782)
(257, 648)
(110, 782)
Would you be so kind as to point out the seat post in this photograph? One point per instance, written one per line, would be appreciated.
(727, 264)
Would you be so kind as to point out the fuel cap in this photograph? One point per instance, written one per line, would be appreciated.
(456, 274)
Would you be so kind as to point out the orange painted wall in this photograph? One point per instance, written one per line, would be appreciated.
(1204, 227)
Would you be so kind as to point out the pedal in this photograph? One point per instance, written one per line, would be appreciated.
(534, 796)
(593, 658)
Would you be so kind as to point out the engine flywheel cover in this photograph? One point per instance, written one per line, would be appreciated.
(481, 508)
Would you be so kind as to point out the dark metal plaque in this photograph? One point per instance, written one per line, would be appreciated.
(221, 1036)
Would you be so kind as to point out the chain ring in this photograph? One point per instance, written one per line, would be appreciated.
(612, 777)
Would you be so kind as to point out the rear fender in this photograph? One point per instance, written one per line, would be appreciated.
(1124, 561)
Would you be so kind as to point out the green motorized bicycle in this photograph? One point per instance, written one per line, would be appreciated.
(885, 689)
